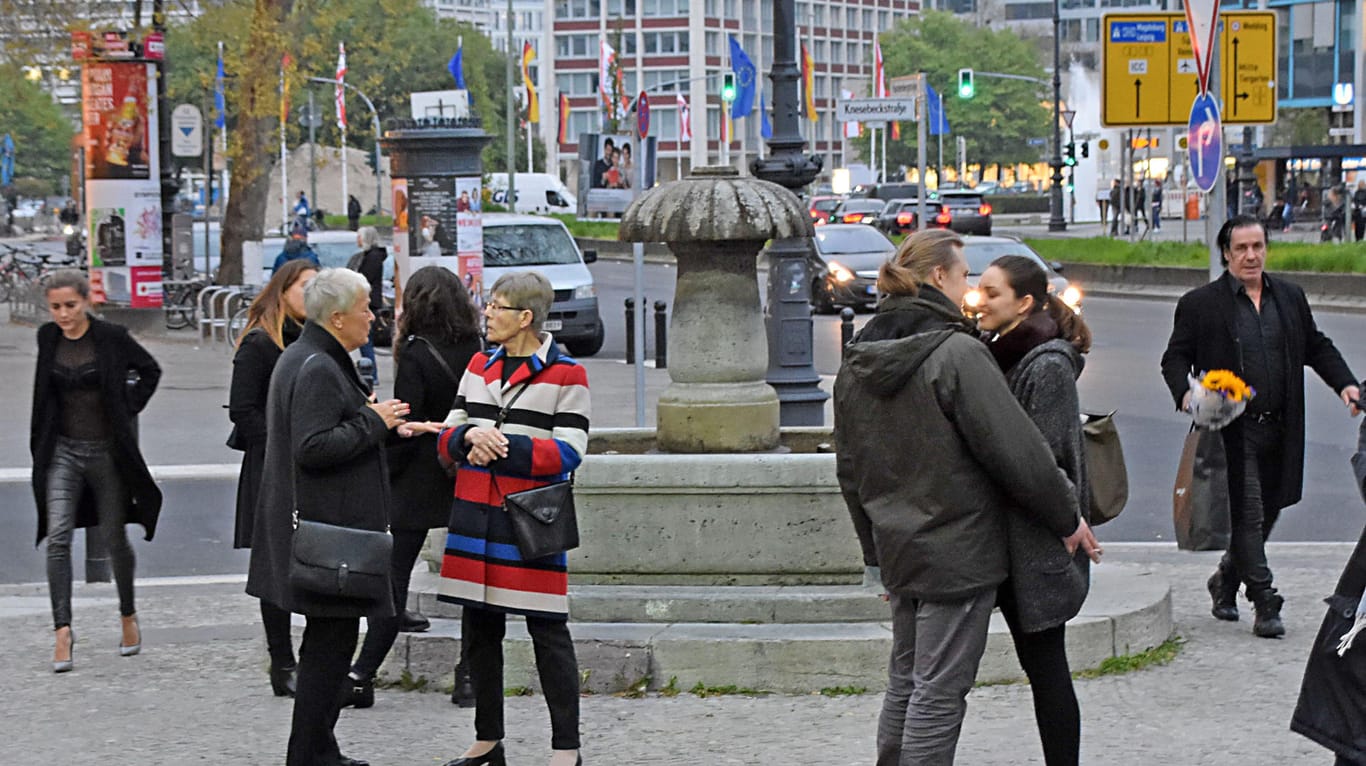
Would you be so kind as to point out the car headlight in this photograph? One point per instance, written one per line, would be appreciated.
(583, 292)
(973, 298)
(1072, 296)
(68, 230)
(841, 274)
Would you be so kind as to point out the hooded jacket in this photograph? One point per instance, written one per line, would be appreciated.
(933, 451)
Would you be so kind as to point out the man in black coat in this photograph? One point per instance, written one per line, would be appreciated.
(1261, 328)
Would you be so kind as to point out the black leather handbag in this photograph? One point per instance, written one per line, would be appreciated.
(340, 561)
(543, 519)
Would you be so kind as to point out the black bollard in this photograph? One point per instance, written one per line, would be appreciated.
(846, 328)
(630, 330)
(661, 336)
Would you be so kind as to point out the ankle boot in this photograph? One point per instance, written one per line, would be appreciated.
(1223, 591)
(463, 693)
(358, 694)
(1268, 620)
(282, 680)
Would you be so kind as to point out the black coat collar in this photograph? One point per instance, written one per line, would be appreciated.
(318, 337)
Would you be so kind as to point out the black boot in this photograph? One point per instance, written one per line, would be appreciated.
(282, 680)
(413, 622)
(463, 693)
(1268, 620)
(1223, 591)
(358, 694)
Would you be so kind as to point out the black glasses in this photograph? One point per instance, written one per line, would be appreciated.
(496, 307)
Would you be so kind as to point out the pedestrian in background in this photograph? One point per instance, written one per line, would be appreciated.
(90, 382)
(438, 336)
(1038, 342)
(324, 463)
(352, 213)
(296, 247)
(274, 321)
(521, 415)
(1261, 328)
(369, 263)
(1115, 210)
(932, 453)
(1359, 211)
(1156, 203)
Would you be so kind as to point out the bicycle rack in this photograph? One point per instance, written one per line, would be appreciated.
(236, 303)
(209, 321)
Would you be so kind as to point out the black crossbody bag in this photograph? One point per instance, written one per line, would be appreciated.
(544, 521)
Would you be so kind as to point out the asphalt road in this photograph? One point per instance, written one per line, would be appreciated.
(1122, 374)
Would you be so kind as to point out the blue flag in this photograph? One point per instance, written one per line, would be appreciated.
(7, 161)
(939, 124)
(765, 128)
(746, 81)
(218, 104)
(456, 67)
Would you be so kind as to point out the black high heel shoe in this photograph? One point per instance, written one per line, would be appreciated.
(494, 757)
(282, 680)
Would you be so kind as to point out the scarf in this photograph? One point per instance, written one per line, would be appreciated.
(1009, 348)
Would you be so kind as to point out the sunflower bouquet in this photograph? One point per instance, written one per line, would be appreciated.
(1218, 397)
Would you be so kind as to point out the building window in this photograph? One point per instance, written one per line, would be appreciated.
(576, 46)
(666, 80)
(819, 14)
(666, 42)
(1015, 11)
(713, 43)
(820, 53)
(577, 84)
(851, 19)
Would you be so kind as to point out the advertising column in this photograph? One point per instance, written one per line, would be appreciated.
(122, 186)
(444, 227)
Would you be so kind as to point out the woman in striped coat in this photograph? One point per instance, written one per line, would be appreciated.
(541, 398)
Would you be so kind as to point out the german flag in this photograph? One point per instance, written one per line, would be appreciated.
(562, 137)
(809, 84)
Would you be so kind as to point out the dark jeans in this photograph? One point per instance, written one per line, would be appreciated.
(555, 663)
(279, 643)
(1252, 516)
(1043, 655)
(368, 352)
(381, 633)
(324, 657)
(76, 465)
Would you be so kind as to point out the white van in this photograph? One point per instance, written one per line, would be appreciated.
(527, 242)
(536, 193)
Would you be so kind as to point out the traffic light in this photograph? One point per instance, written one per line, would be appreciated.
(1070, 158)
(728, 87)
(1069, 184)
(1085, 149)
(372, 159)
(965, 87)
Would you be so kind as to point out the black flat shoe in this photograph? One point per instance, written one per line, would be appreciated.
(413, 622)
(282, 681)
(1224, 599)
(494, 757)
(358, 694)
(345, 761)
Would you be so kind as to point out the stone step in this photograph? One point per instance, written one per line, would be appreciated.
(1128, 610)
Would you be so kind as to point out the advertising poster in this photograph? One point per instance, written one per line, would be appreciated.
(399, 189)
(119, 115)
(431, 218)
(146, 287)
(617, 169)
(124, 219)
(469, 238)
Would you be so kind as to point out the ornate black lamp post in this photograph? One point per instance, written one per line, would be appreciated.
(1057, 221)
(790, 370)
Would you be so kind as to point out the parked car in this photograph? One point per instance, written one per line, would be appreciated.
(887, 191)
(981, 251)
(970, 212)
(821, 207)
(902, 216)
(858, 210)
(845, 264)
(1020, 187)
(987, 187)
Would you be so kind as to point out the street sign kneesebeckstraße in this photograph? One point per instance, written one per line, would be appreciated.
(1150, 74)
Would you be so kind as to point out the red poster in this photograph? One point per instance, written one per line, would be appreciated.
(116, 121)
(146, 288)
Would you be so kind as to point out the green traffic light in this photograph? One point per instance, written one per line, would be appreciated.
(728, 87)
(966, 88)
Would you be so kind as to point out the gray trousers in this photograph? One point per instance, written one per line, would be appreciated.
(936, 648)
(76, 464)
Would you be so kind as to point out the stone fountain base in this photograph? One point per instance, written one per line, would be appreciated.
(741, 569)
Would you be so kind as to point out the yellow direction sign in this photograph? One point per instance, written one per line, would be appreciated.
(1150, 76)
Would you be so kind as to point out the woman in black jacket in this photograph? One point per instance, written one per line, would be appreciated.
(90, 382)
(324, 463)
(439, 332)
(369, 262)
(274, 320)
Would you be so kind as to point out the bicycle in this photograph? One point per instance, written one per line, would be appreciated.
(180, 300)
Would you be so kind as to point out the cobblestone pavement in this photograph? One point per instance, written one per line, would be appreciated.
(198, 693)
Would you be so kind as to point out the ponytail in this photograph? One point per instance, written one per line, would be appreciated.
(1071, 327)
(918, 255)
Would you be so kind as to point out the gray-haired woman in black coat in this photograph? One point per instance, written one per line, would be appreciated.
(324, 461)
(90, 382)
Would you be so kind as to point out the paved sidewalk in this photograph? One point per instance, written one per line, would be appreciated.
(198, 693)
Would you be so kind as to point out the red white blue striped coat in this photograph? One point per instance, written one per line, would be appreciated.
(547, 431)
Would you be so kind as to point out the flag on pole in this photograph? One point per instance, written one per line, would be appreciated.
(809, 84)
(7, 160)
(456, 66)
(285, 63)
(726, 126)
(879, 75)
(606, 55)
(746, 76)
(684, 121)
(939, 124)
(562, 135)
(340, 87)
(765, 129)
(220, 120)
(533, 104)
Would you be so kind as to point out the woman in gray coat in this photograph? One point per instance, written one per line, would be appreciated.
(325, 462)
(1038, 341)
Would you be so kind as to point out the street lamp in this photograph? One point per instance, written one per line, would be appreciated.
(1056, 220)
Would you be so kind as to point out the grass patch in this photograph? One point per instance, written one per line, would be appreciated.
(843, 691)
(671, 688)
(637, 689)
(378, 221)
(589, 229)
(702, 690)
(517, 691)
(1345, 258)
(405, 682)
(1157, 656)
